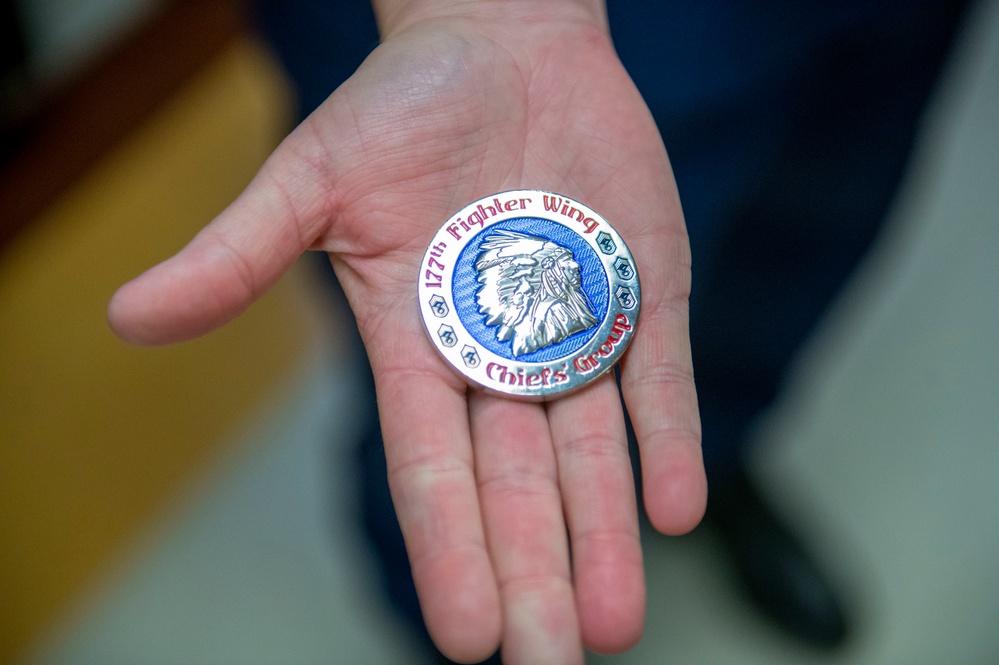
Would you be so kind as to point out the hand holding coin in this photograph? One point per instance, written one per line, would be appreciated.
(529, 294)
(492, 493)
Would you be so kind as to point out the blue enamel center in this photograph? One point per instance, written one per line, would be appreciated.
(591, 271)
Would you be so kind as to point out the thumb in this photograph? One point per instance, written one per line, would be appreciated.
(237, 257)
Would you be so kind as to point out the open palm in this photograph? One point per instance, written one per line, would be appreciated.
(442, 113)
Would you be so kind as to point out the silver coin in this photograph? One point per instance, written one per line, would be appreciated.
(529, 294)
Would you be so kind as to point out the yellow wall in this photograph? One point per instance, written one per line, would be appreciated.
(96, 436)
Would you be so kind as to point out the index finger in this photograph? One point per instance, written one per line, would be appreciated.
(425, 426)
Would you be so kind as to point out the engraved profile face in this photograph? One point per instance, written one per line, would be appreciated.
(530, 289)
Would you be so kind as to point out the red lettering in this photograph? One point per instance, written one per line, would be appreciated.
(503, 375)
(547, 376)
(586, 364)
(561, 206)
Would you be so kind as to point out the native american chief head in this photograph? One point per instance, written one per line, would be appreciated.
(530, 288)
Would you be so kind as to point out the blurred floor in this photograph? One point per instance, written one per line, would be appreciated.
(884, 449)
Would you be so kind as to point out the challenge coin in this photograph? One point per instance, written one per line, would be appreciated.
(529, 294)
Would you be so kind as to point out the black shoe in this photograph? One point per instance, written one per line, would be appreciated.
(773, 567)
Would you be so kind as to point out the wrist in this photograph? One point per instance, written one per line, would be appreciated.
(394, 16)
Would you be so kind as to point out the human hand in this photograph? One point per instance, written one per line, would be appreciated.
(463, 100)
